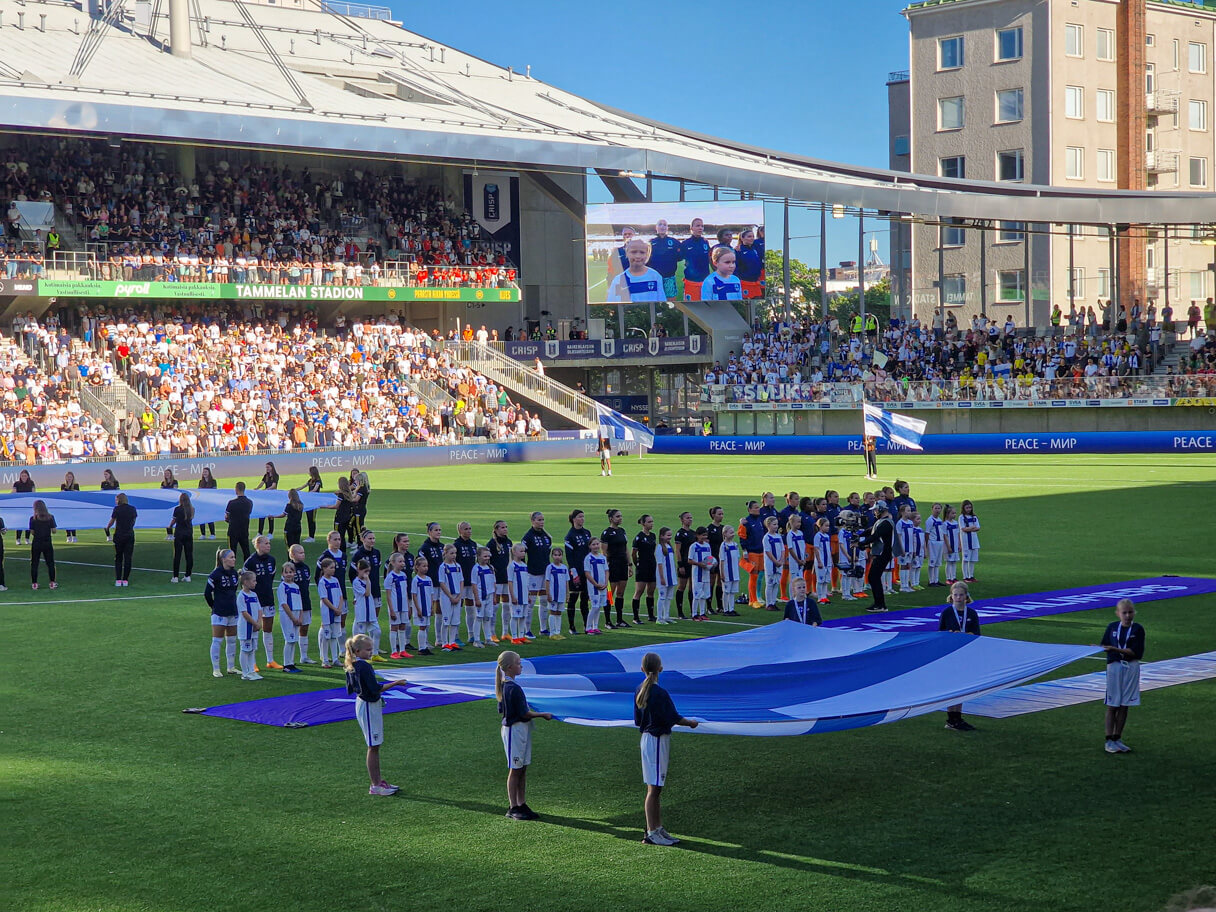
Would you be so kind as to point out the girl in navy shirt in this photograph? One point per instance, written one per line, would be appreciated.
(369, 708)
(959, 617)
(1124, 645)
(516, 732)
(220, 594)
(655, 715)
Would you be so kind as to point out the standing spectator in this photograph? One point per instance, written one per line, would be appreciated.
(41, 527)
(206, 482)
(182, 527)
(269, 482)
(24, 485)
(122, 520)
(294, 513)
(168, 483)
(314, 486)
(237, 515)
(70, 484)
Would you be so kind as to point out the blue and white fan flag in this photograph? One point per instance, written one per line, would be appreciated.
(779, 679)
(615, 426)
(890, 426)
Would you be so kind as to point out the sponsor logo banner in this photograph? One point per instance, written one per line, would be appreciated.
(83, 288)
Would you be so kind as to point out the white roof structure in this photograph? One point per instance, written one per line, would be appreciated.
(309, 78)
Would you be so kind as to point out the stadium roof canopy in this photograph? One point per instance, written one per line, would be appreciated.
(313, 79)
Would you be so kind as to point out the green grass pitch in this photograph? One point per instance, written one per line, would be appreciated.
(115, 800)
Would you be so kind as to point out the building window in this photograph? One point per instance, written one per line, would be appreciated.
(1197, 57)
(1074, 40)
(1106, 164)
(1009, 106)
(1010, 232)
(954, 166)
(1106, 44)
(901, 145)
(1177, 52)
(1012, 285)
(1074, 163)
(1197, 114)
(1199, 172)
(1103, 282)
(950, 53)
(954, 289)
(1074, 102)
(1076, 287)
(952, 234)
(1010, 165)
(1009, 44)
(1199, 284)
(1105, 108)
(950, 113)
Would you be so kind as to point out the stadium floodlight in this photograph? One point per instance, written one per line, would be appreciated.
(638, 174)
(1209, 239)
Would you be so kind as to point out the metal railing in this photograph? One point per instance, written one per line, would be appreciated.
(96, 405)
(541, 389)
(432, 394)
(946, 392)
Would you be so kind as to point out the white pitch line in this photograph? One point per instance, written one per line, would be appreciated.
(76, 601)
(111, 566)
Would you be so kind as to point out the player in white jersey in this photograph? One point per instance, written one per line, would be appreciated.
(367, 619)
(701, 561)
(665, 574)
(397, 595)
(333, 611)
(422, 597)
(951, 543)
(484, 598)
(595, 576)
(918, 551)
(934, 529)
(905, 530)
(821, 545)
(728, 569)
(451, 587)
(519, 596)
(248, 624)
(557, 588)
(847, 562)
(774, 562)
(292, 617)
(798, 562)
(969, 526)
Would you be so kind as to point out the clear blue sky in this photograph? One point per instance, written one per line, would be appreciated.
(805, 77)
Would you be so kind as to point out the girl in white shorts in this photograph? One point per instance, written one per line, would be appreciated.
(595, 574)
(369, 707)
(655, 715)
(516, 732)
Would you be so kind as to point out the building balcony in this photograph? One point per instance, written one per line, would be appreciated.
(1160, 162)
(1160, 103)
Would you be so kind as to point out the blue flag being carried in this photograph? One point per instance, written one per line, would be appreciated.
(615, 426)
(899, 429)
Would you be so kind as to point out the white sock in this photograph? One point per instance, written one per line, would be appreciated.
(407, 633)
(323, 642)
(555, 624)
(268, 645)
(303, 644)
(289, 653)
(247, 661)
(230, 644)
(421, 636)
(471, 623)
(216, 646)
(338, 638)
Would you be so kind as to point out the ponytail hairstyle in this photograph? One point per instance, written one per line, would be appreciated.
(642, 519)
(183, 501)
(573, 513)
(293, 498)
(651, 665)
(219, 557)
(612, 511)
(353, 645)
(505, 659)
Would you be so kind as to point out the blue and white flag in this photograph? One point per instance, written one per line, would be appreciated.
(896, 428)
(779, 679)
(615, 426)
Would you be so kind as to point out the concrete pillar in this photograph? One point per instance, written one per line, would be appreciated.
(179, 28)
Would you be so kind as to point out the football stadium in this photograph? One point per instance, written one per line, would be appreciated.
(418, 374)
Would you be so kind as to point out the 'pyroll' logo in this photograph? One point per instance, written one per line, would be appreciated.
(127, 289)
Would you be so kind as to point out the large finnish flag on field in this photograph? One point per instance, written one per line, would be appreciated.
(92, 509)
(615, 426)
(897, 428)
(780, 679)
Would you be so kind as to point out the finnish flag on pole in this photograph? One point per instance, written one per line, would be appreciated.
(898, 429)
(615, 426)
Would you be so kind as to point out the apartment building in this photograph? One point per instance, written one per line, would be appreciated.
(1087, 94)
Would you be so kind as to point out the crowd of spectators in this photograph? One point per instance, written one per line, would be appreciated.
(267, 380)
(251, 222)
(802, 360)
